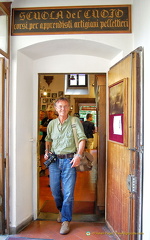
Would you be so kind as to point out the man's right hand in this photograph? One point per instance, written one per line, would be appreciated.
(46, 156)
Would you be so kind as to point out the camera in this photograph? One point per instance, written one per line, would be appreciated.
(52, 157)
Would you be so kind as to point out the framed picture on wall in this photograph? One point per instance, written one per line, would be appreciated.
(67, 96)
(45, 100)
(60, 94)
(44, 107)
(48, 94)
(118, 111)
(54, 95)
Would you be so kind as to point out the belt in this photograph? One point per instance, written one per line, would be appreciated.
(69, 155)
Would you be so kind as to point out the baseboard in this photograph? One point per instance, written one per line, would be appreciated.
(21, 226)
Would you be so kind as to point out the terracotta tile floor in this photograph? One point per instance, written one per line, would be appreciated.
(85, 191)
(84, 195)
(79, 231)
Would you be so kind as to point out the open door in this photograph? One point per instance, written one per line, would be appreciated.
(125, 147)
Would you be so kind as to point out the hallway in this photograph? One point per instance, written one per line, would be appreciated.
(87, 223)
(84, 197)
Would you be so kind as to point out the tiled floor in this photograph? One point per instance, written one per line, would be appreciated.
(79, 231)
(84, 195)
(83, 226)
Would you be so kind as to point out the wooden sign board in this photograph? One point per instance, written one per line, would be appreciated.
(72, 20)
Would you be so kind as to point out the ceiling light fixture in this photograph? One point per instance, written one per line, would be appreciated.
(72, 77)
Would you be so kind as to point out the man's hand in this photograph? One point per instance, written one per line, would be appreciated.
(46, 156)
(75, 161)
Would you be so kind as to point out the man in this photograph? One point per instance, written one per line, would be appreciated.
(89, 130)
(60, 140)
(43, 128)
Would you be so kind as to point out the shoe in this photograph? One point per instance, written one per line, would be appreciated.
(65, 228)
(59, 217)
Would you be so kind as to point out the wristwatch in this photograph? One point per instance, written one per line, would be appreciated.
(79, 155)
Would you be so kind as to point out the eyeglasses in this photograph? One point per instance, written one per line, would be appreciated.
(62, 107)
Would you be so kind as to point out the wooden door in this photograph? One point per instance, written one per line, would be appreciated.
(125, 147)
(2, 167)
(100, 93)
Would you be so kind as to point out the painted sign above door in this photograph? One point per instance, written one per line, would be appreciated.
(72, 20)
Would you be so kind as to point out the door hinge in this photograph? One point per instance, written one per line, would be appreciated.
(140, 149)
(132, 183)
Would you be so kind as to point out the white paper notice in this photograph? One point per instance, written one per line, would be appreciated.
(117, 125)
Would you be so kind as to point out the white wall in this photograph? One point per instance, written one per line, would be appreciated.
(25, 67)
(21, 135)
(38, 3)
(141, 28)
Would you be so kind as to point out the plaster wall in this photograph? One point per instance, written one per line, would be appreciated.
(26, 63)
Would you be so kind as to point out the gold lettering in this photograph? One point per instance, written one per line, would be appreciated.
(104, 18)
(36, 15)
(29, 16)
(21, 26)
(33, 26)
(119, 13)
(86, 25)
(117, 23)
(95, 13)
(73, 15)
(22, 16)
(52, 15)
(104, 13)
(102, 25)
(44, 15)
(60, 15)
(112, 12)
(78, 13)
(87, 14)
(68, 15)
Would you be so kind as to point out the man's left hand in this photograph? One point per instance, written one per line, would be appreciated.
(75, 161)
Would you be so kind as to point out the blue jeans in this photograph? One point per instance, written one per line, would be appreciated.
(62, 184)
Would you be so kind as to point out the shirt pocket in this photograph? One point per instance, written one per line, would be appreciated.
(69, 139)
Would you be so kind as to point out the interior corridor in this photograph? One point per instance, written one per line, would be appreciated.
(87, 223)
(84, 197)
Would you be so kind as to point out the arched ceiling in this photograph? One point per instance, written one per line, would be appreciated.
(71, 47)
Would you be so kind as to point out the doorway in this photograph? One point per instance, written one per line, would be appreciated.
(51, 87)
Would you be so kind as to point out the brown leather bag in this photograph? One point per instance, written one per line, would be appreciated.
(86, 162)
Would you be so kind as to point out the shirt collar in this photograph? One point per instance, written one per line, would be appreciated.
(68, 118)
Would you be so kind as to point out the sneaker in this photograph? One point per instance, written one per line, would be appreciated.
(59, 217)
(65, 228)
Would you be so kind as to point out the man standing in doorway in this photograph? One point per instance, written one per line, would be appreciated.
(89, 130)
(60, 140)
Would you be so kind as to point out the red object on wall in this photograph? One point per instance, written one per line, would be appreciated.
(112, 136)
